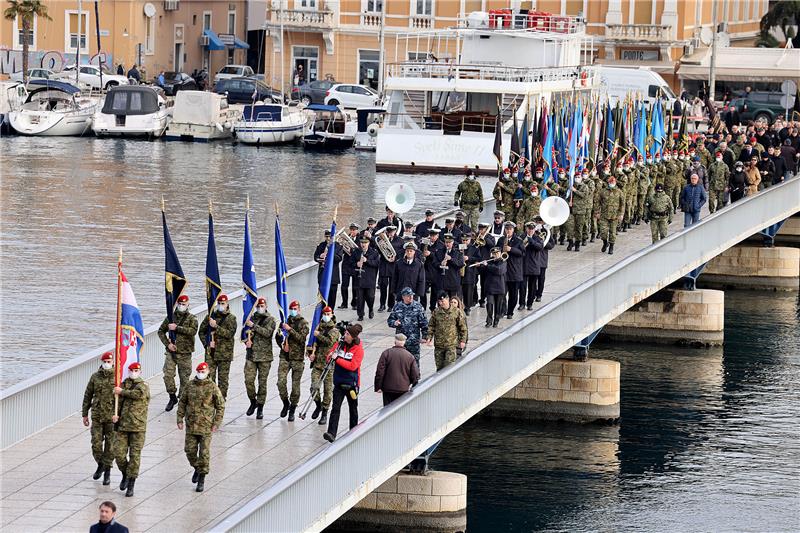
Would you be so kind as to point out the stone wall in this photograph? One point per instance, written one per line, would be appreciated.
(673, 317)
(752, 267)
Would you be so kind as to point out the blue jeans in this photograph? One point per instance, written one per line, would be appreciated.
(690, 217)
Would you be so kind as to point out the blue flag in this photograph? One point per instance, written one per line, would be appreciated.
(324, 285)
(248, 279)
(547, 155)
(280, 276)
(213, 283)
(174, 280)
(523, 151)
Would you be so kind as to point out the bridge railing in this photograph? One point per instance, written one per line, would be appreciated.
(54, 394)
(385, 442)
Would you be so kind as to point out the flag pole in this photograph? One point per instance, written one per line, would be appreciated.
(117, 369)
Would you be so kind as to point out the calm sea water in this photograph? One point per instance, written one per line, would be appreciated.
(708, 441)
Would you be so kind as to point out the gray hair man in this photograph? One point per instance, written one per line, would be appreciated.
(397, 371)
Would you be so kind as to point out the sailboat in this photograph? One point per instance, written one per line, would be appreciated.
(54, 108)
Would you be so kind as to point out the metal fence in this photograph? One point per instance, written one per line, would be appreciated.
(382, 444)
(37, 403)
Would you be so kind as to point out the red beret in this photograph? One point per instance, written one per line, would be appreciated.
(539, 169)
(223, 298)
(327, 310)
(261, 301)
(202, 366)
(108, 356)
(183, 298)
(134, 366)
(294, 305)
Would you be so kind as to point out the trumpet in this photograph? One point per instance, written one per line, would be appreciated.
(345, 241)
(480, 240)
(503, 257)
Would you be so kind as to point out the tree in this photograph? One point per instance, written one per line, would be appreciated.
(25, 10)
(783, 15)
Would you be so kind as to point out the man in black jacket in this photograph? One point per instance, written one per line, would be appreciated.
(472, 255)
(108, 522)
(409, 272)
(387, 268)
(512, 245)
(391, 219)
(367, 272)
(348, 270)
(425, 226)
(540, 259)
(484, 241)
(320, 254)
(431, 268)
(494, 287)
(448, 261)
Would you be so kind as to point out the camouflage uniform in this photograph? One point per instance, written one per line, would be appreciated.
(219, 364)
(132, 425)
(413, 324)
(659, 211)
(630, 195)
(581, 209)
(642, 187)
(718, 176)
(99, 397)
(293, 359)
(503, 193)
(673, 179)
(184, 344)
(705, 156)
(258, 358)
(612, 206)
(588, 224)
(327, 336)
(469, 197)
(528, 210)
(203, 407)
(448, 329)
(598, 188)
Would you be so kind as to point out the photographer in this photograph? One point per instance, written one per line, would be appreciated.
(347, 356)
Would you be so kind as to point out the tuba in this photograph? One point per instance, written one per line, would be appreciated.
(384, 244)
(344, 241)
(554, 212)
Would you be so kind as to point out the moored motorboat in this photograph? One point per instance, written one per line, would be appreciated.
(53, 108)
(132, 111)
(201, 116)
(331, 128)
(270, 124)
(369, 121)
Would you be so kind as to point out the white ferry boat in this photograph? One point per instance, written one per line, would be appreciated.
(444, 88)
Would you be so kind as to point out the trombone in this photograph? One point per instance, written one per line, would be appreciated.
(503, 257)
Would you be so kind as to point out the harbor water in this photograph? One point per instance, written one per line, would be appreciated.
(707, 441)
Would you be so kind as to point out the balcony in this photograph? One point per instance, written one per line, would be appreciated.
(304, 18)
(639, 33)
(171, 5)
(420, 22)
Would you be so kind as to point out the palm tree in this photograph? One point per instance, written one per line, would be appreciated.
(25, 10)
(783, 15)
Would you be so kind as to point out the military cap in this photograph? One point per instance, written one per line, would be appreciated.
(467, 235)
(509, 224)
(327, 310)
(391, 228)
(449, 220)
(136, 366)
(294, 305)
(222, 298)
(753, 140)
(428, 212)
(261, 301)
(411, 245)
(108, 356)
(499, 213)
(407, 292)
(389, 209)
(538, 218)
(434, 231)
(459, 215)
(408, 237)
(408, 224)
(443, 295)
(364, 239)
(202, 366)
(371, 220)
(494, 249)
(448, 236)
(327, 233)
(659, 187)
(483, 224)
(353, 225)
(183, 298)
(539, 169)
(612, 179)
(530, 224)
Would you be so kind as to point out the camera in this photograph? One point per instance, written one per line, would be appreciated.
(342, 326)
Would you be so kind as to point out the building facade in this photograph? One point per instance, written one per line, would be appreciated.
(168, 35)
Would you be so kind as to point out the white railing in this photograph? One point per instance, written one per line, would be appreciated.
(302, 17)
(651, 33)
(381, 445)
(420, 22)
(536, 21)
(422, 69)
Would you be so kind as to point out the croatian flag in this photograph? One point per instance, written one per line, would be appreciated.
(130, 333)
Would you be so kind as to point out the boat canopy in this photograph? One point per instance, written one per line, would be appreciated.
(265, 112)
(321, 107)
(363, 114)
(131, 100)
(54, 86)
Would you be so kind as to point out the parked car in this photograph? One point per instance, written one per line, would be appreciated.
(34, 74)
(90, 75)
(233, 71)
(349, 95)
(759, 105)
(178, 81)
(241, 90)
(313, 92)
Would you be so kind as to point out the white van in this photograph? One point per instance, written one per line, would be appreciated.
(618, 82)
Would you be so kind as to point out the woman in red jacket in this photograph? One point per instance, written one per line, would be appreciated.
(347, 356)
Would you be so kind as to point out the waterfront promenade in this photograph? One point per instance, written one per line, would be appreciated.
(45, 480)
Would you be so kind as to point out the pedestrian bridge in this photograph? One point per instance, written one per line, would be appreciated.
(272, 475)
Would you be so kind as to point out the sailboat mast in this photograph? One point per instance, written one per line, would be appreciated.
(78, 45)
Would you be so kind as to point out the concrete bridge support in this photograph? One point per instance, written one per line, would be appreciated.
(433, 502)
(573, 391)
(754, 267)
(694, 318)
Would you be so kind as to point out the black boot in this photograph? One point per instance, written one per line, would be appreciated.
(583, 242)
(605, 246)
(131, 483)
(330, 437)
(252, 408)
(317, 410)
(577, 246)
(124, 483)
(98, 472)
(291, 413)
(381, 308)
(260, 411)
(201, 483)
(195, 476)
(323, 417)
(591, 237)
(286, 404)
(561, 240)
(624, 227)
(611, 249)
(173, 400)
(107, 476)
(570, 245)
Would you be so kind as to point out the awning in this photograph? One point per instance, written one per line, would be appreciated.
(214, 42)
(743, 64)
(238, 43)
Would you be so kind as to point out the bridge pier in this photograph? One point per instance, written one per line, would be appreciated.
(694, 318)
(754, 267)
(564, 389)
(434, 502)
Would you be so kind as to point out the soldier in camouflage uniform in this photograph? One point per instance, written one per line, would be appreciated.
(581, 210)
(203, 407)
(718, 178)
(612, 205)
(134, 397)
(642, 186)
(598, 188)
(529, 209)
(503, 193)
(258, 357)
(659, 211)
(449, 331)
(469, 197)
(179, 353)
(99, 397)
(408, 317)
(293, 349)
(658, 171)
(631, 193)
(706, 158)
(219, 351)
(673, 179)
(326, 335)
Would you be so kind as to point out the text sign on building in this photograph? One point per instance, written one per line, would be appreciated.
(639, 55)
(226, 38)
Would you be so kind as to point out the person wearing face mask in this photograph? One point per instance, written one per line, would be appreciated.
(347, 357)
(594, 230)
(767, 169)
(178, 354)
(581, 210)
(447, 330)
(219, 351)
(737, 182)
(203, 408)
(642, 187)
(718, 176)
(258, 357)
(612, 206)
(134, 397)
(659, 212)
(503, 191)
(99, 397)
(697, 168)
(291, 338)
(469, 197)
(326, 336)
(529, 207)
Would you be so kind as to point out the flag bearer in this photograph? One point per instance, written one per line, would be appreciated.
(99, 397)
(293, 350)
(219, 352)
(134, 397)
(326, 336)
(258, 358)
(178, 354)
